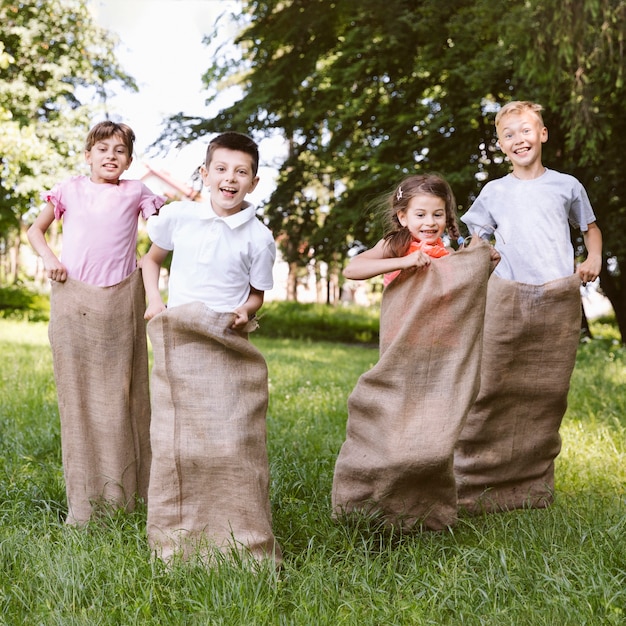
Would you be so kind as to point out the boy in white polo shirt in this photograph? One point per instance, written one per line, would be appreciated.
(209, 483)
(223, 256)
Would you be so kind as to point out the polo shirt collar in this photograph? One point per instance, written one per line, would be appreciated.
(237, 219)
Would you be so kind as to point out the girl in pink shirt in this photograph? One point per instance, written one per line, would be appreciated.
(96, 325)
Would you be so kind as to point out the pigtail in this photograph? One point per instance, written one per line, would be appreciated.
(452, 227)
(399, 241)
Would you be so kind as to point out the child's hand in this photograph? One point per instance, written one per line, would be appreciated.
(415, 259)
(241, 319)
(55, 270)
(154, 309)
(589, 269)
(495, 257)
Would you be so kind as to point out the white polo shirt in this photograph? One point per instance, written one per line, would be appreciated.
(215, 259)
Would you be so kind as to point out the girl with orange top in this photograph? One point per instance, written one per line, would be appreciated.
(418, 213)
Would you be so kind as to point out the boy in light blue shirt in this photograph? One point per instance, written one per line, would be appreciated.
(504, 458)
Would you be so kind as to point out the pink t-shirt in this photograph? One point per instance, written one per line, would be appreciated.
(100, 226)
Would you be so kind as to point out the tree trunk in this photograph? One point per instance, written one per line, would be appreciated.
(292, 283)
(319, 283)
(9, 260)
(332, 295)
(614, 288)
(14, 260)
(585, 331)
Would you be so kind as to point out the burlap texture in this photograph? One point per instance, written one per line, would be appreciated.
(209, 483)
(505, 455)
(405, 414)
(100, 358)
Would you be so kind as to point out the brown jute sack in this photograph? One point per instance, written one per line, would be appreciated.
(100, 358)
(209, 483)
(405, 414)
(505, 455)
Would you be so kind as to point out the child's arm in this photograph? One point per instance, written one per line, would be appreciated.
(248, 308)
(590, 268)
(377, 261)
(151, 270)
(36, 234)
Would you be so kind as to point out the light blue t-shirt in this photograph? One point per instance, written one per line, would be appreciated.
(530, 221)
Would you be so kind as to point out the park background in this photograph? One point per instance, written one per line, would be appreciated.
(346, 97)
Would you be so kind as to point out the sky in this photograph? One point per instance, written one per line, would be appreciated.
(161, 48)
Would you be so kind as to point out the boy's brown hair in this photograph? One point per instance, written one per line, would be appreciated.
(234, 141)
(106, 129)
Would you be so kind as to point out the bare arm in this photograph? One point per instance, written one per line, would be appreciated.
(55, 270)
(248, 308)
(151, 270)
(377, 260)
(590, 268)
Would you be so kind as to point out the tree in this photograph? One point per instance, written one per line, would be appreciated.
(52, 58)
(281, 51)
(364, 94)
(368, 92)
(575, 64)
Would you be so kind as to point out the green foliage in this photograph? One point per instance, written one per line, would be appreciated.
(575, 66)
(55, 62)
(319, 322)
(22, 303)
(365, 93)
(562, 565)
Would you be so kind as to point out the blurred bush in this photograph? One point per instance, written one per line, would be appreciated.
(19, 302)
(320, 322)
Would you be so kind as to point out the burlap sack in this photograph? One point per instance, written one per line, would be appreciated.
(209, 483)
(405, 414)
(100, 359)
(505, 455)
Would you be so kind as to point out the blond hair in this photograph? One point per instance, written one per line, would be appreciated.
(517, 107)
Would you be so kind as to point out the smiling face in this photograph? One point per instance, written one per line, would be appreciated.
(108, 159)
(425, 217)
(520, 136)
(230, 177)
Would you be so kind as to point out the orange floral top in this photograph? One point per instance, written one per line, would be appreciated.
(435, 250)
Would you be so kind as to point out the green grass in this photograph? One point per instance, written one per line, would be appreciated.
(565, 565)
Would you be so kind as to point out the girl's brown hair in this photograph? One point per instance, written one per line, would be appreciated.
(104, 130)
(398, 237)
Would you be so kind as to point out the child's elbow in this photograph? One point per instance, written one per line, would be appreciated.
(348, 271)
(31, 234)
